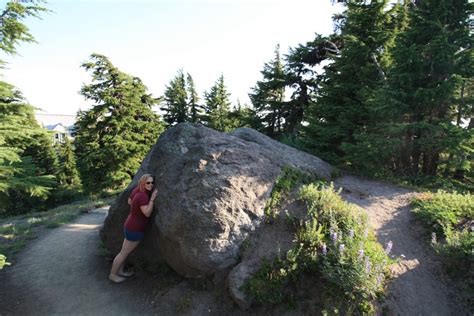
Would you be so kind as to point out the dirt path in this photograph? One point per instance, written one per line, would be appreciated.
(419, 286)
(63, 272)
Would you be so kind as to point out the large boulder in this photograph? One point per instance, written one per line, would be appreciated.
(212, 192)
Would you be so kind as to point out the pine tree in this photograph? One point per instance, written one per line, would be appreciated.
(113, 136)
(68, 176)
(195, 110)
(13, 31)
(343, 111)
(27, 162)
(175, 103)
(430, 60)
(217, 106)
(26, 157)
(268, 96)
(244, 116)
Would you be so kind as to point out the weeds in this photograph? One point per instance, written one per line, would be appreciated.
(333, 245)
(450, 219)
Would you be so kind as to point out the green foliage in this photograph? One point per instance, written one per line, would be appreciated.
(417, 107)
(113, 137)
(217, 107)
(333, 245)
(175, 101)
(244, 116)
(343, 109)
(267, 286)
(450, 216)
(3, 261)
(268, 96)
(288, 178)
(67, 175)
(27, 159)
(12, 29)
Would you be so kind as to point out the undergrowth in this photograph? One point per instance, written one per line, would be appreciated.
(449, 217)
(333, 246)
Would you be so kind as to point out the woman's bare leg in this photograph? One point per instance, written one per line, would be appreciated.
(119, 260)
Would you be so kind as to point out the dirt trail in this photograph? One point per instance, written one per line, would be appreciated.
(419, 286)
(63, 272)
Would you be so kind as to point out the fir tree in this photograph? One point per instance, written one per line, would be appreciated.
(268, 96)
(68, 176)
(12, 29)
(27, 161)
(342, 110)
(217, 106)
(175, 104)
(113, 137)
(431, 61)
(26, 157)
(195, 110)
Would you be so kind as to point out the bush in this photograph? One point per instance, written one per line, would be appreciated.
(333, 245)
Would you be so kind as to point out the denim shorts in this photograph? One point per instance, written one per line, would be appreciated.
(133, 236)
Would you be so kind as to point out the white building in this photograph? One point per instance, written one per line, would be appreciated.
(61, 125)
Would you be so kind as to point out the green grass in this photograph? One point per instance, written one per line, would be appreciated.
(448, 219)
(16, 231)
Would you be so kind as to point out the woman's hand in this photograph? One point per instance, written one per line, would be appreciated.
(154, 194)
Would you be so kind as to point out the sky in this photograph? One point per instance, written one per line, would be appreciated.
(153, 39)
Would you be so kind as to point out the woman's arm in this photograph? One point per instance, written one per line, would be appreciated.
(148, 208)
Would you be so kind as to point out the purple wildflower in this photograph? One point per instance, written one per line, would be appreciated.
(433, 238)
(366, 233)
(334, 237)
(361, 253)
(389, 247)
(368, 265)
(341, 249)
(324, 250)
(379, 279)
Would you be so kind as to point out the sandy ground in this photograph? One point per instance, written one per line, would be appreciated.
(64, 271)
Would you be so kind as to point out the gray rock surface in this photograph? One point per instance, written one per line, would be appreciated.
(212, 192)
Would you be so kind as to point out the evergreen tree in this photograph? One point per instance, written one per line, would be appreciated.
(175, 103)
(244, 116)
(68, 176)
(303, 79)
(26, 157)
(12, 29)
(431, 62)
(27, 162)
(217, 106)
(268, 96)
(113, 137)
(343, 110)
(195, 110)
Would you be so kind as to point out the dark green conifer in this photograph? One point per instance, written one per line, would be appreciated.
(113, 137)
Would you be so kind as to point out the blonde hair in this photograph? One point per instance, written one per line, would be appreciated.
(142, 182)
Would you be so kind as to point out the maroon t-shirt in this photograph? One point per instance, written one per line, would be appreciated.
(136, 220)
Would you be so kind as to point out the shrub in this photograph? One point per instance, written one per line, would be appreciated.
(450, 218)
(335, 245)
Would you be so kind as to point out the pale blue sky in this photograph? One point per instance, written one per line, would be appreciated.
(154, 39)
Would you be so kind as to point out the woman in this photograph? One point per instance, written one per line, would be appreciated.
(141, 205)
